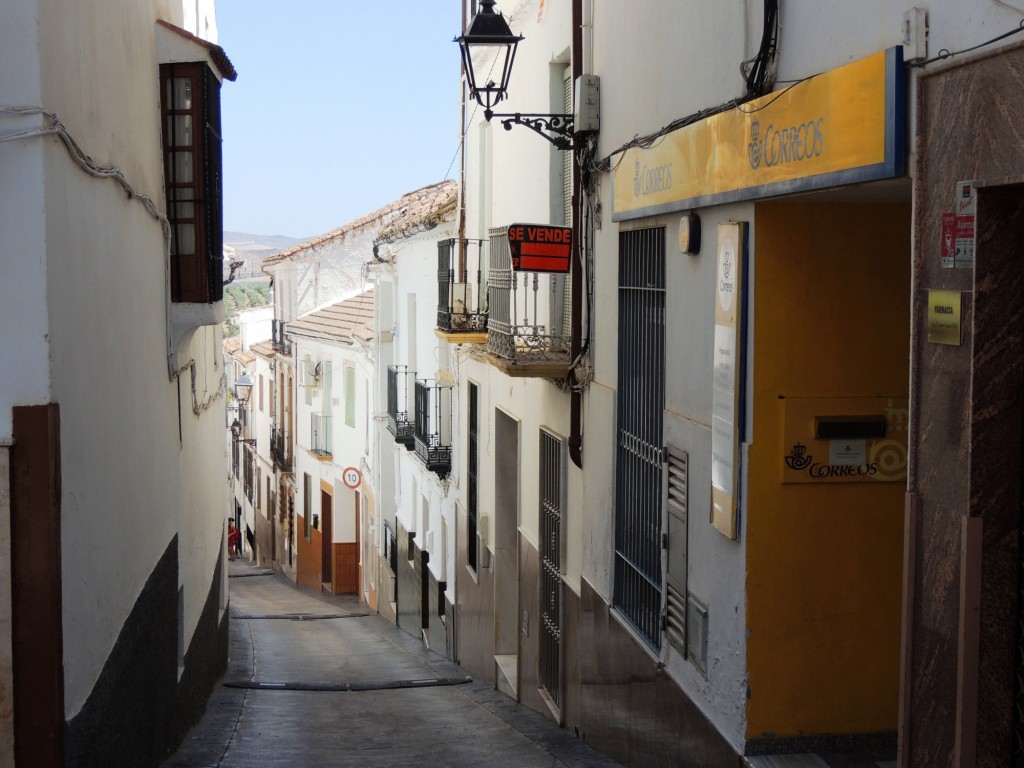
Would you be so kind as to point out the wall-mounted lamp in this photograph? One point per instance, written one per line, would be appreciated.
(243, 389)
(489, 31)
(236, 434)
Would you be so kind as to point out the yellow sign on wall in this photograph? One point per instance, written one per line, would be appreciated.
(727, 376)
(852, 453)
(841, 127)
(944, 312)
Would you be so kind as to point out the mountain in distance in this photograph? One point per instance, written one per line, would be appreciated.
(253, 249)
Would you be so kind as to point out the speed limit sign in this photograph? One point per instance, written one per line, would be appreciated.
(352, 477)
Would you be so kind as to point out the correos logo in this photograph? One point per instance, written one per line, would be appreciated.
(795, 143)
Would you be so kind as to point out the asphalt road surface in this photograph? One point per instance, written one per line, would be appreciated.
(315, 680)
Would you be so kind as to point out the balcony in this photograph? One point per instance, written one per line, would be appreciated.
(433, 427)
(461, 291)
(528, 324)
(320, 435)
(248, 473)
(277, 337)
(399, 424)
(280, 450)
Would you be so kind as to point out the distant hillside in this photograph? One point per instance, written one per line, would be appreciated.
(259, 242)
(252, 249)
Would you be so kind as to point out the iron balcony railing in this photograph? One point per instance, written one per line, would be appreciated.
(277, 339)
(391, 547)
(433, 427)
(320, 434)
(461, 290)
(248, 473)
(528, 312)
(280, 449)
(399, 423)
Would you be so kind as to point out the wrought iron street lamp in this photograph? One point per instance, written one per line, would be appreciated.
(236, 434)
(243, 391)
(489, 31)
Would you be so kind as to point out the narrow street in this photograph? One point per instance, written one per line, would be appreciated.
(317, 680)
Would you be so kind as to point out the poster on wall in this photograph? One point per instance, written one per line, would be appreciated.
(727, 377)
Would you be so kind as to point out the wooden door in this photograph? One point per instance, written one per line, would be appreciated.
(326, 538)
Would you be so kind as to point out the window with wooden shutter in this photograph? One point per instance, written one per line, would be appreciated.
(190, 95)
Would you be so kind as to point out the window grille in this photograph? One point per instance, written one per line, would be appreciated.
(433, 426)
(461, 291)
(520, 321)
(551, 496)
(320, 434)
(638, 576)
(247, 471)
(398, 404)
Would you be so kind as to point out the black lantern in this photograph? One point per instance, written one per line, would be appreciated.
(489, 30)
(236, 434)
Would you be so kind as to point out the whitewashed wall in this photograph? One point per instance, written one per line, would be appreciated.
(512, 177)
(88, 306)
(425, 500)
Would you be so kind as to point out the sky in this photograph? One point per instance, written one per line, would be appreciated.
(340, 107)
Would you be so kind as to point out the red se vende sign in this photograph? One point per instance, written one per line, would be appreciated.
(540, 247)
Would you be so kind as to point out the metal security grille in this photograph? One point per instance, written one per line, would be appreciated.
(1018, 697)
(641, 401)
(472, 463)
(677, 506)
(551, 565)
(564, 300)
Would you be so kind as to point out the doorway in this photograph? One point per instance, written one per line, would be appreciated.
(506, 551)
(996, 452)
(326, 540)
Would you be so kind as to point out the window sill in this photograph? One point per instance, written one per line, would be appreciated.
(187, 317)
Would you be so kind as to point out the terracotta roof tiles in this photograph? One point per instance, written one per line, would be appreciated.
(419, 210)
(349, 319)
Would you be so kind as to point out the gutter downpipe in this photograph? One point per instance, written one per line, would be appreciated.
(577, 272)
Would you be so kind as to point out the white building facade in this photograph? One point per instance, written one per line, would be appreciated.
(114, 609)
(754, 170)
(415, 419)
(334, 441)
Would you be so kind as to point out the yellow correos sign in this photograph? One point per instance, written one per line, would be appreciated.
(841, 127)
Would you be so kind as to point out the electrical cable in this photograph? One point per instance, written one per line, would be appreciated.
(757, 75)
(945, 53)
(87, 164)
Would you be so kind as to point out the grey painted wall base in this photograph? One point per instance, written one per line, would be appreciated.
(138, 710)
(631, 710)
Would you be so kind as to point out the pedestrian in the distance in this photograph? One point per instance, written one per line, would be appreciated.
(234, 541)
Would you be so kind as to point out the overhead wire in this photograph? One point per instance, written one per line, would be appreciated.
(945, 53)
(85, 162)
(758, 78)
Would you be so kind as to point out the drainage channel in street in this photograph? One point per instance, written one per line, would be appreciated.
(388, 685)
(296, 616)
